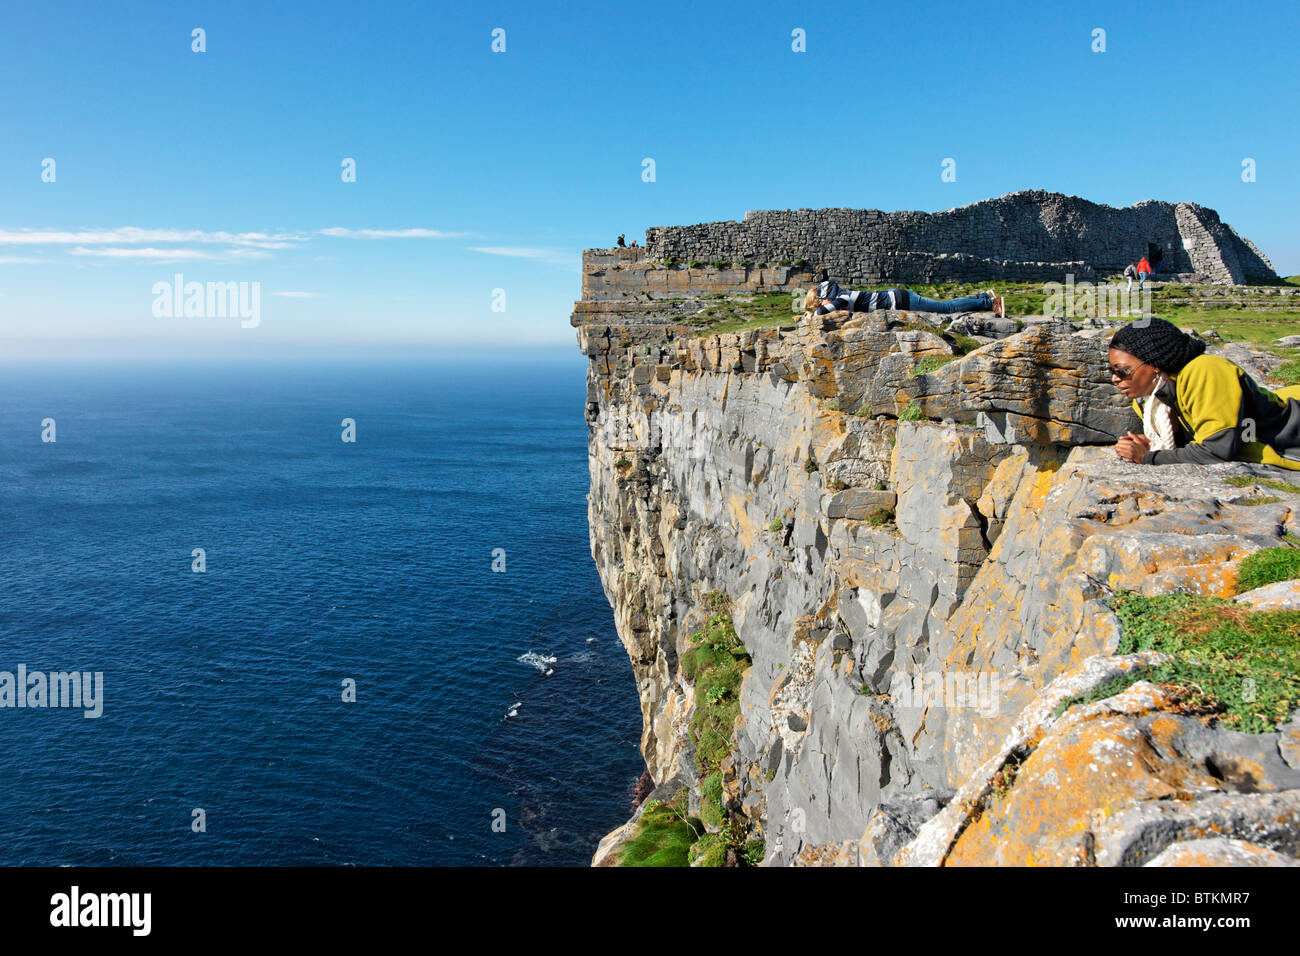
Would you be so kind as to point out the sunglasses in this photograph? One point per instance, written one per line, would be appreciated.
(1124, 373)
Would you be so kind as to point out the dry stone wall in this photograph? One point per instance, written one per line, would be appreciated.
(1030, 235)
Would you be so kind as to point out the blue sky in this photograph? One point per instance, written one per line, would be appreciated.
(479, 171)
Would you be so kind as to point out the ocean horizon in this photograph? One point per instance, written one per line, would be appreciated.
(495, 719)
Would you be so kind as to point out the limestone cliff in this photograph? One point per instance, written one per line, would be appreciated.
(922, 551)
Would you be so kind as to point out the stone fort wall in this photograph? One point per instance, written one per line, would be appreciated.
(1029, 236)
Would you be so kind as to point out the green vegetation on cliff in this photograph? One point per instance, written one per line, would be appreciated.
(1246, 481)
(664, 835)
(932, 363)
(734, 313)
(715, 664)
(1268, 567)
(1237, 666)
(711, 809)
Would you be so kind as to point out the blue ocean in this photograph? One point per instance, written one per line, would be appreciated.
(495, 719)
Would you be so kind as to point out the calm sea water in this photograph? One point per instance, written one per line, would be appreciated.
(324, 561)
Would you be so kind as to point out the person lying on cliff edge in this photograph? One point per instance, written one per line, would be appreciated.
(1198, 408)
(835, 299)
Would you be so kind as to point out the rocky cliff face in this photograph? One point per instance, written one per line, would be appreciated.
(922, 555)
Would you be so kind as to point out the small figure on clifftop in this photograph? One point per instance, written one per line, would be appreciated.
(835, 299)
(1198, 408)
(623, 245)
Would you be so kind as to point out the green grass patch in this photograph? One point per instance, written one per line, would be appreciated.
(912, 413)
(1259, 500)
(711, 810)
(1288, 373)
(663, 836)
(1237, 666)
(715, 664)
(1247, 481)
(1268, 567)
(709, 850)
(1255, 328)
(932, 363)
(739, 312)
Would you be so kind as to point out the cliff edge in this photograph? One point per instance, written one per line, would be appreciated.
(960, 630)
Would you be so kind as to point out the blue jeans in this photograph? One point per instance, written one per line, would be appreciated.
(971, 303)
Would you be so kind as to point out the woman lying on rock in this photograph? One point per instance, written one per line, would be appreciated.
(1198, 408)
(835, 299)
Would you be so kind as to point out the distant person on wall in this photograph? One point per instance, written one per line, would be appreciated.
(623, 245)
(1130, 273)
(835, 299)
(1143, 270)
(1198, 408)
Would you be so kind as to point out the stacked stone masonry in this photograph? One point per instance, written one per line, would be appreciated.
(1030, 235)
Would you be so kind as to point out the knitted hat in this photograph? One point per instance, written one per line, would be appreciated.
(1158, 343)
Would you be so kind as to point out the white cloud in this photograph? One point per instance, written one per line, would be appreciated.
(132, 243)
(338, 232)
(132, 234)
(296, 295)
(169, 255)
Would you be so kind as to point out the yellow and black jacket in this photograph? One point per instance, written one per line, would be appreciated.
(1214, 401)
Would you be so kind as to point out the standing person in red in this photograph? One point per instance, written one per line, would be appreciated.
(1144, 270)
